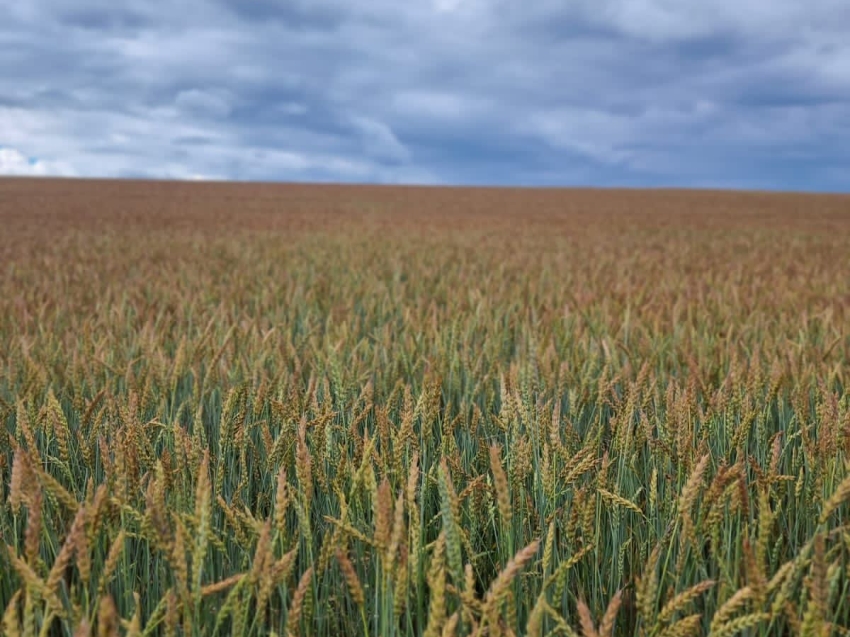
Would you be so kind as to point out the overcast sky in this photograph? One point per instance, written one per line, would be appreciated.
(718, 93)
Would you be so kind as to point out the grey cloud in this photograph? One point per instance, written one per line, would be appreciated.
(379, 140)
(204, 103)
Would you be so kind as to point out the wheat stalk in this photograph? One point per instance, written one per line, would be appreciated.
(296, 607)
(588, 628)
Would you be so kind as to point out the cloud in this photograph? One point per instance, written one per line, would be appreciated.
(203, 103)
(598, 92)
(14, 163)
(379, 140)
(438, 107)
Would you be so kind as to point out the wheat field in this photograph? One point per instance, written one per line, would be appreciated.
(324, 410)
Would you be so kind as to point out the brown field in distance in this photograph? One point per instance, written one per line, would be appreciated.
(266, 206)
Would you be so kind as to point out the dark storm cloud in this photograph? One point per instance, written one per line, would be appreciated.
(750, 93)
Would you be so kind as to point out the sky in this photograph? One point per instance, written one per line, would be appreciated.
(748, 94)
